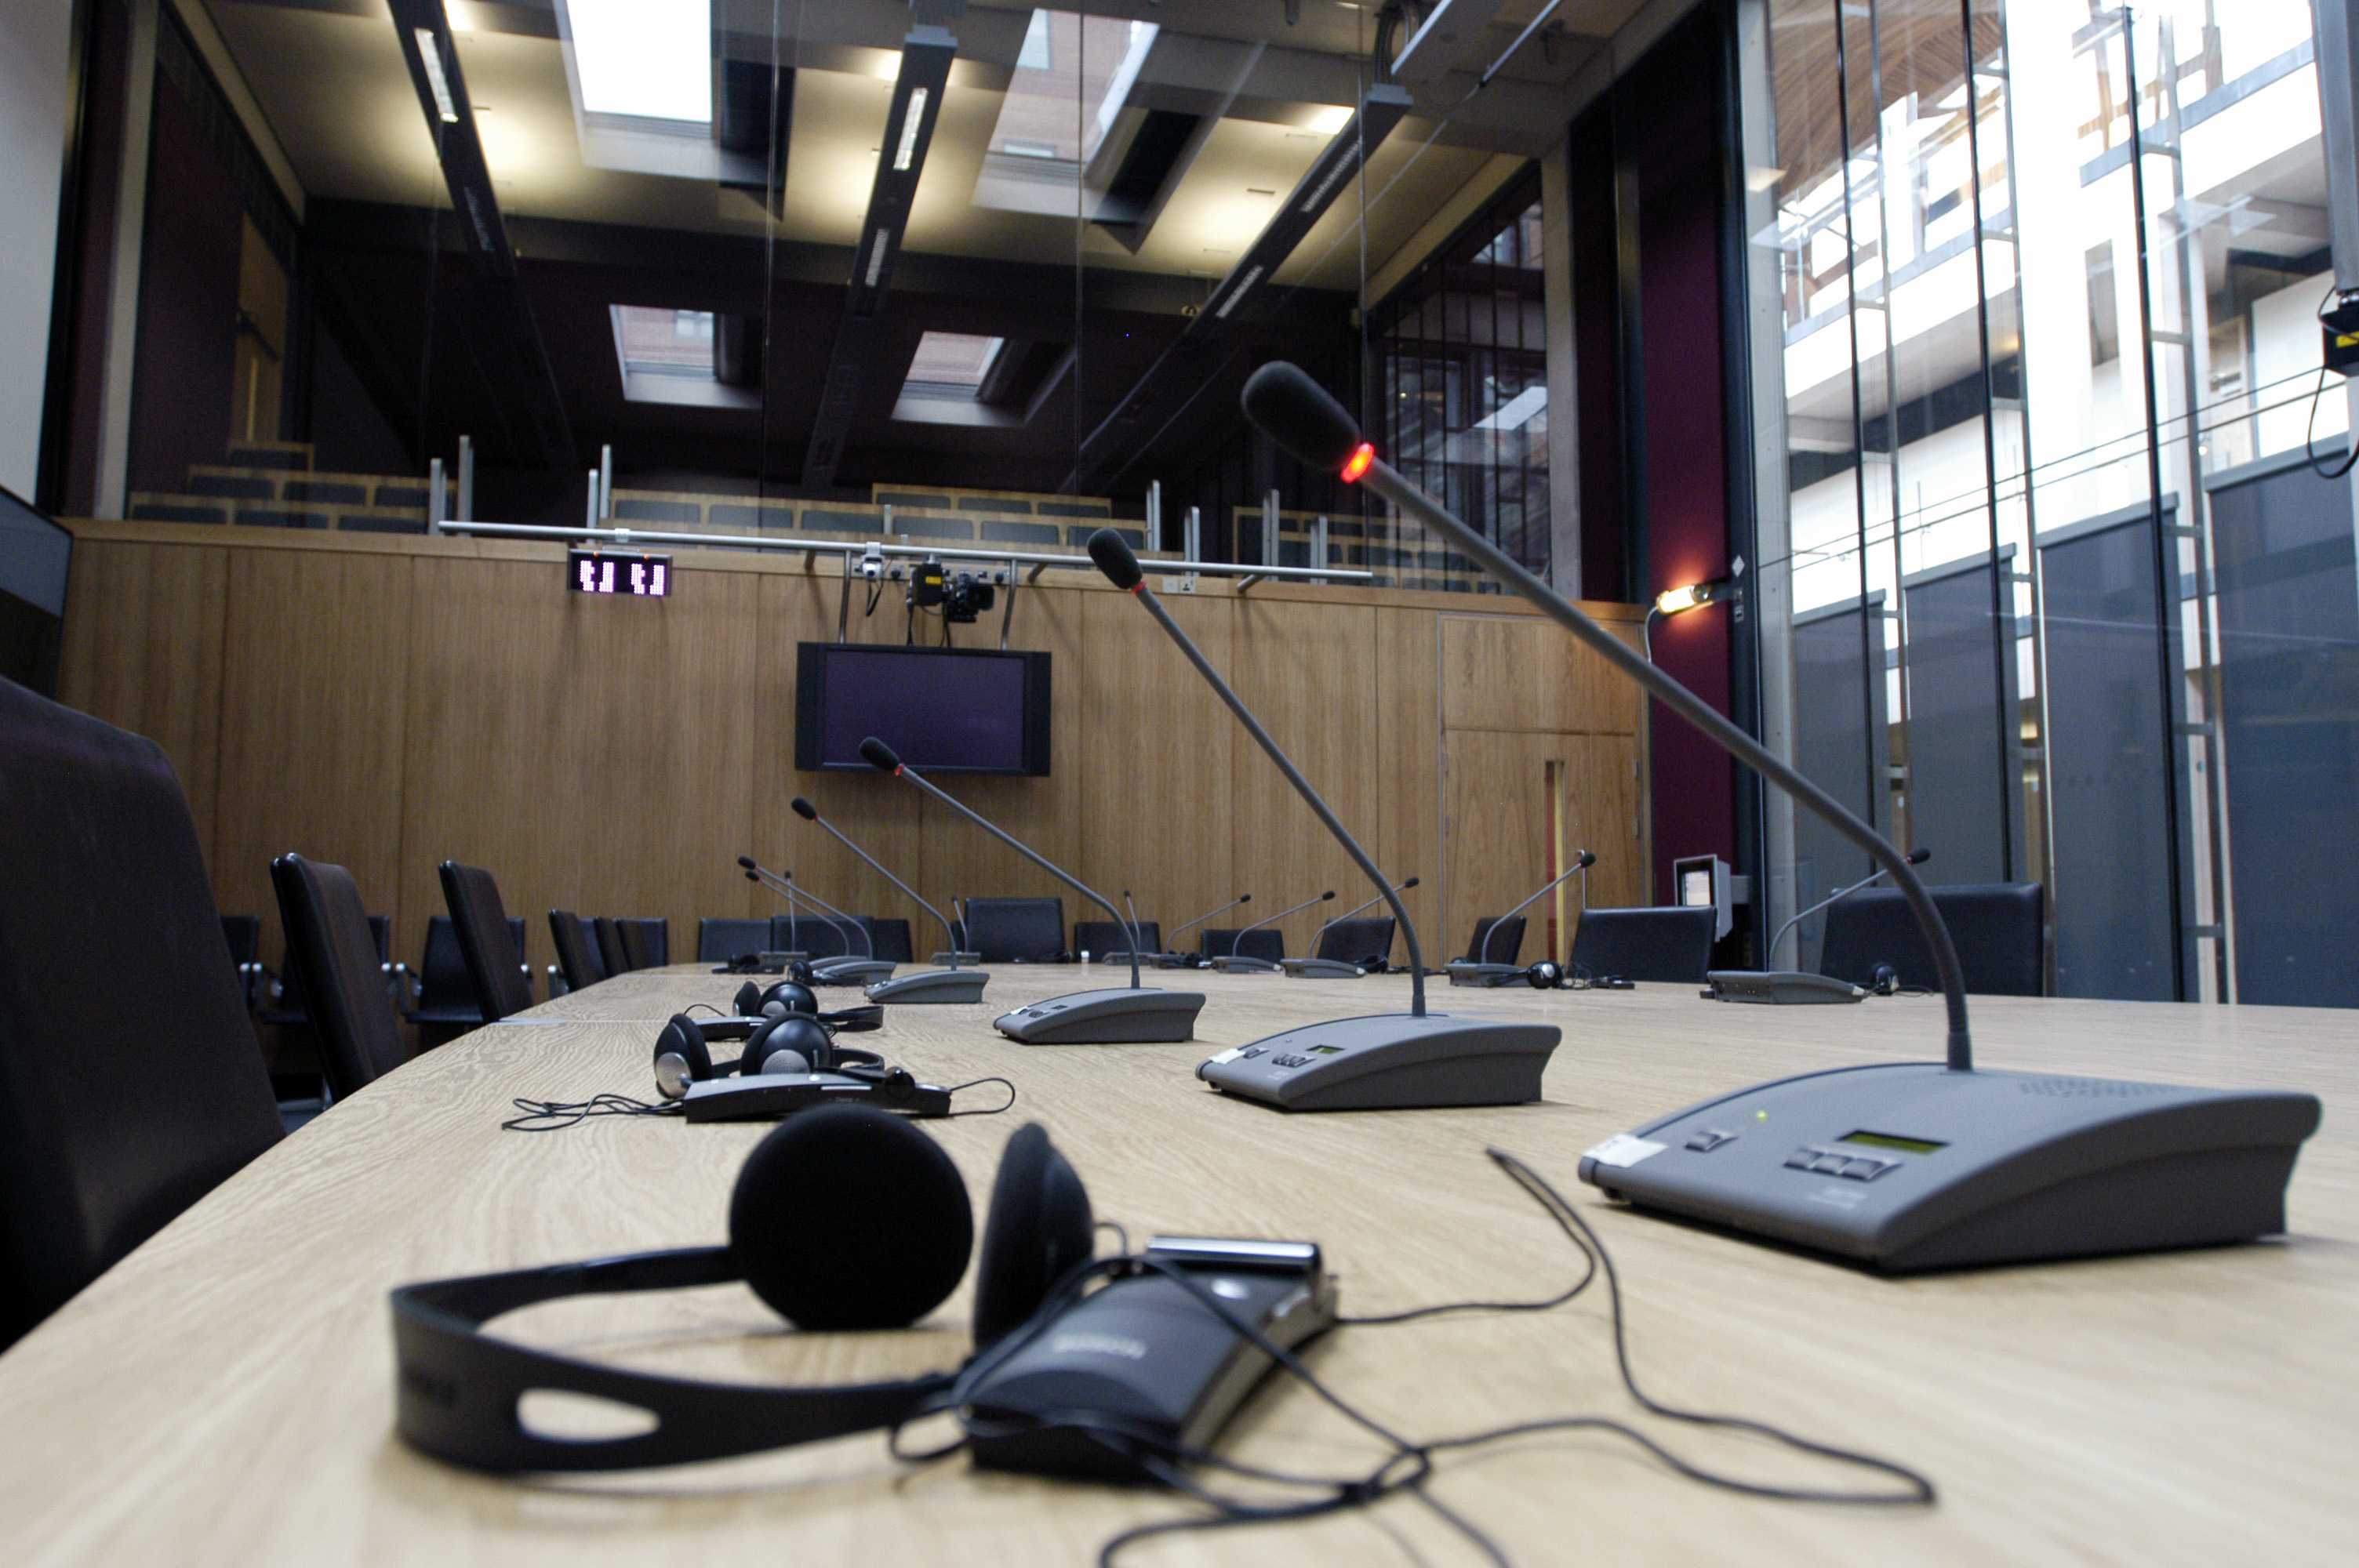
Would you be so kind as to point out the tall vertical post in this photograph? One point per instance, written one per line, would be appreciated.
(1270, 527)
(434, 513)
(606, 482)
(466, 513)
(1154, 513)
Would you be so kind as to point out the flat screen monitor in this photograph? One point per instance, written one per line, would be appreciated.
(952, 710)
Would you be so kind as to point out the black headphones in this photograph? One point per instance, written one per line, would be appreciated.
(1548, 975)
(826, 1266)
(783, 1032)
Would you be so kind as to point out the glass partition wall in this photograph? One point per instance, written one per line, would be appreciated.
(968, 277)
(2061, 556)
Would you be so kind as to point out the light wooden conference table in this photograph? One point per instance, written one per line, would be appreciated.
(225, 1394)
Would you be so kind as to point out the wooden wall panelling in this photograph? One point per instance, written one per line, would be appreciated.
(1409, 774)
(1602, 812)
(595, 754)
(963, 860)
(1502, 672)
(142, 652)
(1157, 757)
(316, 665)
(1309, 678)
(1496, 794)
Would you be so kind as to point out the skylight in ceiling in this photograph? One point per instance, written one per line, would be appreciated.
(1072, 78)
(668, 356)
(650, 60)
(951, 364)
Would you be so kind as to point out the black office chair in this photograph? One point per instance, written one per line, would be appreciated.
(1016, 929)
(1099, 937)
(1265, 943)
(1505, 945)
(1666, 944)
(445, 1001)
(243, 935)
(720, 940)
(822, 938)
(891, 938)
(491, 943)
(114, 1116)
(611, 957)
(280, 1002)
(647, 941)
(577, 950)
(327, 937)
(1363, 942)
(1995, 927)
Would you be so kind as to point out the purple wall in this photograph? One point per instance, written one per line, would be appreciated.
(184, 367)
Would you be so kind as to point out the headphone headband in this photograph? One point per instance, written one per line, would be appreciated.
(458, 1387)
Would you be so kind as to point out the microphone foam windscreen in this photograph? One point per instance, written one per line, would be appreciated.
(1297, 413)
(804, 809)
(746, 861)
(1111, 552)
(805, 1221)
(878, 755)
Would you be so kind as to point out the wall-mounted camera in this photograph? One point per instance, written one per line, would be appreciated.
(962, 595)
(872, 562)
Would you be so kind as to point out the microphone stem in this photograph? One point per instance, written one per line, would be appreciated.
(1345, 915)
(1208, 914)
(1282, 914)
(1037, 858)
(1387, 481)
(1834, 897)
(1301, 787)
(843, 920)
(870, 861)
(1484, 956)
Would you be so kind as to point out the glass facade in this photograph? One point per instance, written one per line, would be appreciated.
(2049, 276)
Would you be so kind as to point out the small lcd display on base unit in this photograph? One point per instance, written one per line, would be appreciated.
(1886, 1141)
(628, 576)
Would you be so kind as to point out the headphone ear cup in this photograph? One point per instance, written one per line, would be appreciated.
(849, 1217)
(683, 1041)
(785, 997)
(791, 1032)
(1038, 1230)
(749, 1003)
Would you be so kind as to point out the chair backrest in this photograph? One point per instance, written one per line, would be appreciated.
(487, 940)
(110, 1124)
(577, 951)
(1004, 930)
(293, 1006)
(822, 938)
(721, 940)
(1995, 927)
(1096, 937)
(243, 935)
(1504, 948)
(328, 933)
(647, 941)
(1356, 941)
(891, 938)
(1265, 943)
(443, 983)
(1665, 944)
(611, 957)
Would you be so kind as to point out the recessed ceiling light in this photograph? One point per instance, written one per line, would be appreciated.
(1257, 191)
(430, 52)
(654, 62)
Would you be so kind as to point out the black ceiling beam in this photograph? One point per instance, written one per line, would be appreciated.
(926, 55)
(1126, 435)
(507, 340)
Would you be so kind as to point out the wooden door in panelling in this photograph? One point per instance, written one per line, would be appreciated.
(595, 754)
(1157, 755)
(1498, 789)
(315, 680)
(1311, 679)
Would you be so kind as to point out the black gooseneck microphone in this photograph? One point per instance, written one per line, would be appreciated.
(809, 813)
(763, 876)
(1132, 1014)
(1234, 959)
(783, 884)
(1298, 414)
(1121, 567)
(1581, 862)
(1170, 950)
(1916, 857)
(1354, 910)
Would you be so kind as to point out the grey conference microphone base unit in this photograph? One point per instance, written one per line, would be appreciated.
(1778, 987)
(1324, 969)
(1462, 973)
(1904, 1165)
(1118, 1016)
(1908, 1165)
(1401, 1061)
(1244, 963)
(1114, 1016)
(1392, 1060)
(925, 986)
(946, 957)
(852, 971)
